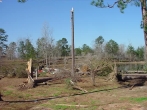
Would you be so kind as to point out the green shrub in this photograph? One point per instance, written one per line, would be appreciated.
(21, 72)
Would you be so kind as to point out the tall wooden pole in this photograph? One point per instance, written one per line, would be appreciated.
(73, 57)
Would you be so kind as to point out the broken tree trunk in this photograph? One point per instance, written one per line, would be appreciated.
(79, 88)
(31, 83)
(29, 68)
(30, 75)
(74, 86)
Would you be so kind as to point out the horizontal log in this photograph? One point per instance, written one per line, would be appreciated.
(134, 74)
(42, 80)
(136, 71)
(129, 77)
(125, 63)
(126, 77)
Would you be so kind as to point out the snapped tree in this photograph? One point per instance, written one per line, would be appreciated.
(122, 4)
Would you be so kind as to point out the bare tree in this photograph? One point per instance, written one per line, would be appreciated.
(45, 44)
(11, 51)
(121, 52)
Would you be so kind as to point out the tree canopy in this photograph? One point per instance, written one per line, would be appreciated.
(111, 47)
(3, 40)
(26, 49)
(121, 4)
(63, 47)
(22, 1)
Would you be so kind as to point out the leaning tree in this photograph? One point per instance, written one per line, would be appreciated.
(122, 4)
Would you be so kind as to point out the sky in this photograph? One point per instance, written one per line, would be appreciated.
(26, 20)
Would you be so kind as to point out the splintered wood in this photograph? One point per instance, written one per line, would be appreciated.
(30, 81)
(29, 64)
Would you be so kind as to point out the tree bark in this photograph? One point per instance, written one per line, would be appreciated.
(144, 14)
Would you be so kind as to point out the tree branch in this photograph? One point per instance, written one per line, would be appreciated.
(99, 5)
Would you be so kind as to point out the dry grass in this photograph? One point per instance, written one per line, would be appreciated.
(104, 96)
(108, 99)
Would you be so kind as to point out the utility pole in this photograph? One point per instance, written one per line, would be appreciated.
(73, 56)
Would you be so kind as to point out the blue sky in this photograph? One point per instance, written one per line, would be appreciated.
(23, 20)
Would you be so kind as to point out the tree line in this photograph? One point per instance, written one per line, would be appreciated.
(47, 48)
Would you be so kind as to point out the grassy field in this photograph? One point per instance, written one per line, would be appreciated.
(57, 96)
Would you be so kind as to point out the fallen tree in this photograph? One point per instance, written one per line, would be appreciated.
(132, 79)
